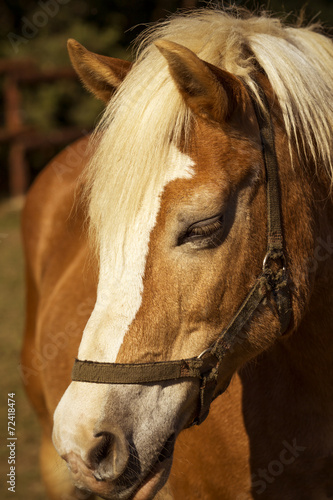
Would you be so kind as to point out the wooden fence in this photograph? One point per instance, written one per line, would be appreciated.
(20, 137)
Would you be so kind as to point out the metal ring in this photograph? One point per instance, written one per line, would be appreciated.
(204, 352)
(265, 260)
(269, 256)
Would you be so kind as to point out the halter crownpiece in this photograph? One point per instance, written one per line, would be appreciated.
(272, 279)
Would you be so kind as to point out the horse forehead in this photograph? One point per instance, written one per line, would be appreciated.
(221, 160)
(228, 146)
(122, 269)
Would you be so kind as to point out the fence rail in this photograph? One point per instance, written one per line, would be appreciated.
(20, 137)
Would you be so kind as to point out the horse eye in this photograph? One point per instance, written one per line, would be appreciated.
(203, 230)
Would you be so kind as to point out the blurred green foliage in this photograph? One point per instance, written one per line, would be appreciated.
(48, 106)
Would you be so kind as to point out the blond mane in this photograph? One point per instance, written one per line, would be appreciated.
(147, 112)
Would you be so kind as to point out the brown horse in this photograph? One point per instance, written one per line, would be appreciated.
(175, 186)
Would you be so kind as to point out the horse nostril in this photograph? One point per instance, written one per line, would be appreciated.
(102, 449)
(97, 476)
(109, 456)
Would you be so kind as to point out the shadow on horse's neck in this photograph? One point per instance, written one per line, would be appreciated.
(306, 356)
(309, 350)
(287, 390)
(288, 405)
(300, 366)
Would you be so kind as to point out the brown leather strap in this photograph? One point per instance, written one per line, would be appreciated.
(274, 223)
(139, 373)
(276, 275)
(231, 335)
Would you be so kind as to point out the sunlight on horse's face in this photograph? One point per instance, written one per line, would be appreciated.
(196, 271)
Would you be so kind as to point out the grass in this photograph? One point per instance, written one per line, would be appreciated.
(28, 481)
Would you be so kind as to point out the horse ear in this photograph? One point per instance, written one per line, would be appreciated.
(99, 74)
(210, 92)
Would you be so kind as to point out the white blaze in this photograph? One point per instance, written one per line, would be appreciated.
(120, 286)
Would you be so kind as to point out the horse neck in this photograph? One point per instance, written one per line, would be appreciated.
(309, 349)
(292, 382)
(310, 346)
(308, 215)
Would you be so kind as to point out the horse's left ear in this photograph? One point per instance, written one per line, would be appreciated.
(210, 92)
(99, 74)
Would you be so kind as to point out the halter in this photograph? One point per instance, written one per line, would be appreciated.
(273, 279)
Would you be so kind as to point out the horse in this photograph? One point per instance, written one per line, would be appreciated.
(190, 240)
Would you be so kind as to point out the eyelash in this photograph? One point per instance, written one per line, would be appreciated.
(205, 230)
(202, 233)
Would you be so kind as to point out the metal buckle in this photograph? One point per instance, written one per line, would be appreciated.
(269, 257)
(208, 361)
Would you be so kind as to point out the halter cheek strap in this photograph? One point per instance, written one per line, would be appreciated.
(273, 280)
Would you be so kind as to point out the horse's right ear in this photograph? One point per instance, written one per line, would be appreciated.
(210, 92)
(99, 74)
